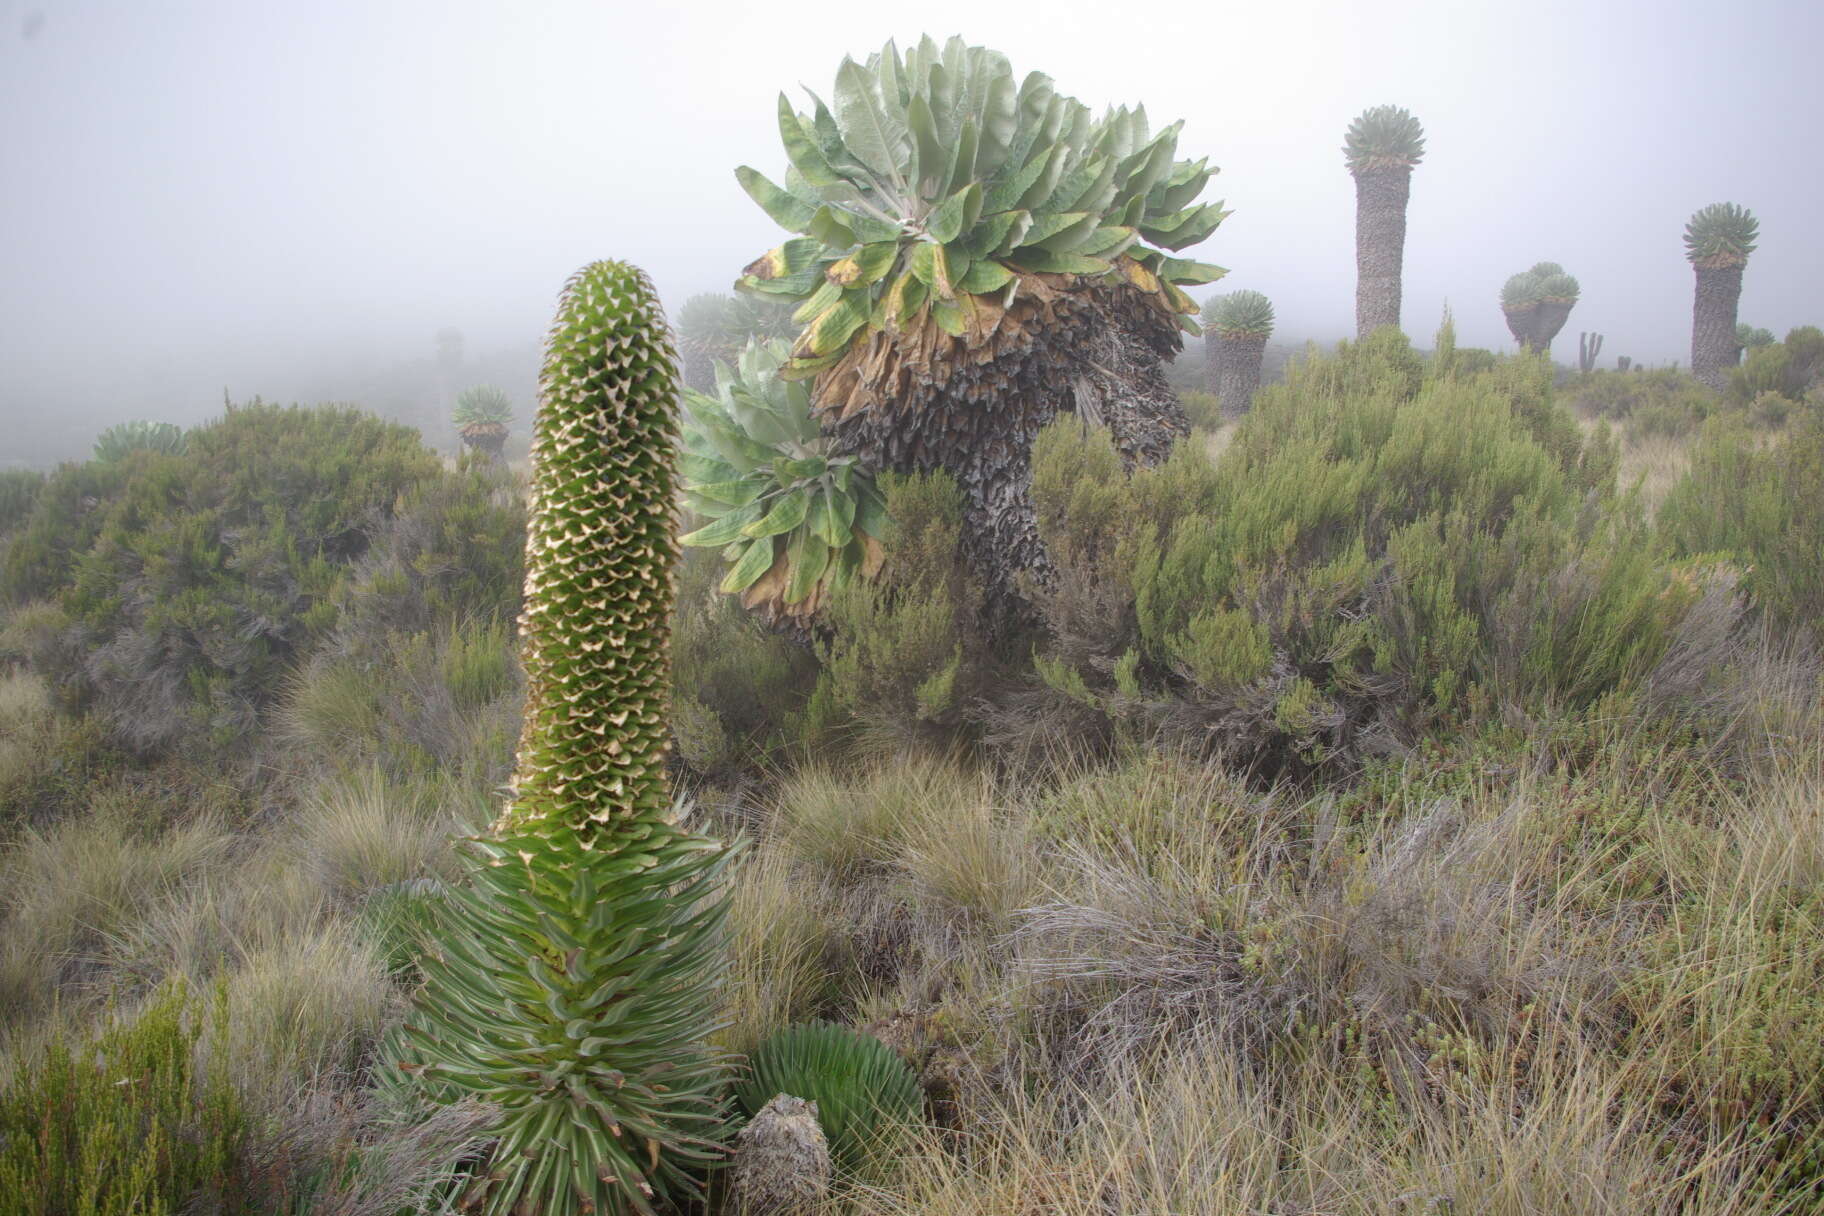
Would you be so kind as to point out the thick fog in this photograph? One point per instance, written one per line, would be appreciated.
(293, 199)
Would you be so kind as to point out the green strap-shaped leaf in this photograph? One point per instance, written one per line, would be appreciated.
(787, 513)
(808, 556)
(723, 530)
(1184, 270)
(955, 213)
(984, 278)
(866, 130)
(754, 562)
(838, 324)
(789, 213)
(801, 147)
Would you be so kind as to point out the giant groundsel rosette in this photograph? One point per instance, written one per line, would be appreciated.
(571, 980)
(937, 183)
(793, 520)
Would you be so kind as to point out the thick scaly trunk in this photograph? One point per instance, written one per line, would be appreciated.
(1713, 346)
(1520, 324)
(978, 419)
(489, 442)
(1241, 356)
(1380, 245)
(1124, 387)
(1212, 363)
(1548, 318)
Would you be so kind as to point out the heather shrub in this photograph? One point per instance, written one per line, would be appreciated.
(904, 650)
(212, 570)
(1788, 369)
(65, 514)
(1373, 555)
(1662, 402)
(1203, 409)
(734, 683)
(1761, 503)
(124, 1124)
(19, 490)
(453, 551)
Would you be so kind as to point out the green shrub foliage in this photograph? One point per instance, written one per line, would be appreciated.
(1663, 401)
(1790, 369)
(862, 1089)
(124, 1125)
(905, 651)
(1761, 504)
(194, 582)
(1372, 555)
(735, 685)
(571, 982)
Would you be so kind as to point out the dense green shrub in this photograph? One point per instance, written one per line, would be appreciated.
(1203, 409)
(124, 1125)
(735, 685)
(60, 524)
(19, 489)
(1373, 555)
(1664, 401)
(904, 652)
(1790, 369)
(1763, 504)
(193, 580)
(453, 551)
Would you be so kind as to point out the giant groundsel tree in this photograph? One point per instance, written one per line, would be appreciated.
(1718, 240)
(1241, 322)
(976, 254)
(1381, 147)
(1537, 303)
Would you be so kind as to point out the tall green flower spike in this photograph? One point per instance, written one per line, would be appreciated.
(571, 982)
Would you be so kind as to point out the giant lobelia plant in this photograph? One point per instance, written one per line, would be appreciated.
(571, 980)
(977, 254)
(793, 521)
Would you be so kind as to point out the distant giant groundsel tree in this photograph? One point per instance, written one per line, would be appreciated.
(481, 416)
(1718, 240)
(1240, 322)
(1537, 303)
(703, 338)
(714, 327)
(1381, 147)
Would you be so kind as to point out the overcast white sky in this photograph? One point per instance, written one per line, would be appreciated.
(195, 193)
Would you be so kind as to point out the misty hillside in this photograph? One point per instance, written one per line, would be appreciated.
(912, 688)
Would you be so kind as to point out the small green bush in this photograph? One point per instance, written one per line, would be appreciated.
(905, 650)
(1203, 409)
(1790, 369)
(1373, 556)
(735, 685)
(863, 1090)
(19, 490)
(125, 1125)
(1762, 504)
(1664, 401)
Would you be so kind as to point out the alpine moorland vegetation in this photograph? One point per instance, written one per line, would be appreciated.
(1403, 796)
(1461, 817)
